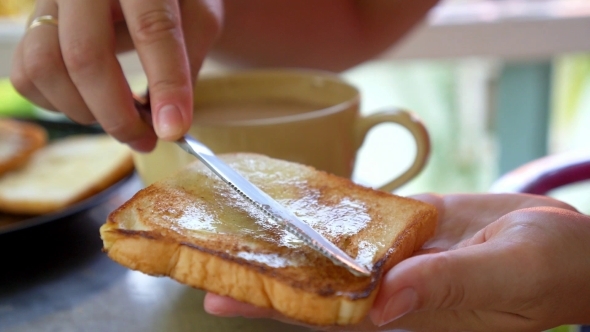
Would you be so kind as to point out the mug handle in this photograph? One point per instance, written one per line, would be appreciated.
(413, 124)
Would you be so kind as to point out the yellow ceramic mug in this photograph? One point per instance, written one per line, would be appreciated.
(308, 117)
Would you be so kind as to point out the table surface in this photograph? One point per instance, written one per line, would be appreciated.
(55, 278)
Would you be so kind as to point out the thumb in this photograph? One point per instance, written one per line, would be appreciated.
(465, 278)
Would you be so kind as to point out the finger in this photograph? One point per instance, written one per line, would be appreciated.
(224, 306)
(462, 320)
(23, 84)
(466, 278)
(44, 65)
(156, 31)
(88, 48)
(227, 307)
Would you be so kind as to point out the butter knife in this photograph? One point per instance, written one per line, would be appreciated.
(258, 198)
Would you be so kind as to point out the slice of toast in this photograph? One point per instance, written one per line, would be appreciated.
(192, 227)
(64, 172)
(18, 141)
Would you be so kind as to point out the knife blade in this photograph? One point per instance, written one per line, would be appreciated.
(259, 199)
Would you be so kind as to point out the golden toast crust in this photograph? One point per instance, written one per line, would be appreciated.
(26, 137)
(316, 292)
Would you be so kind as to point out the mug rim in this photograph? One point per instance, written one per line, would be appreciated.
(321, 112)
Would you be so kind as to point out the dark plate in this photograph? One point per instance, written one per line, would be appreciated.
(10, 223)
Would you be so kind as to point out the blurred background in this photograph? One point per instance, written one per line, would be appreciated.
(498, 84)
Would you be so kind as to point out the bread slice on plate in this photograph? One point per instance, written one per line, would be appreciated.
(18, 141)
(193, 228)
(64, 172)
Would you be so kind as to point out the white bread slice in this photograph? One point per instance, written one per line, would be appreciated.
(64, 172)
(194, 228)
(18, 141)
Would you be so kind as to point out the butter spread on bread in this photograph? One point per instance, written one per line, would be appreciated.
(192, 227)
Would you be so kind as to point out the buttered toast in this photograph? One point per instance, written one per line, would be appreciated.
(18, 141)
(193, 228)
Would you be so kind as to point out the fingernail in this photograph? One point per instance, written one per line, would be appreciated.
(400, 304)
(169, 124)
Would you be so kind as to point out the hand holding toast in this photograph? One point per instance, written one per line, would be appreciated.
(194, 228)
(497, 263)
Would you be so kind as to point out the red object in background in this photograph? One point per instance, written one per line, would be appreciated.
(542, 175)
